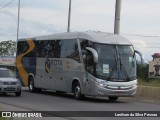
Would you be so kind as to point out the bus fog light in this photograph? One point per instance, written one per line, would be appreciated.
(103, 85)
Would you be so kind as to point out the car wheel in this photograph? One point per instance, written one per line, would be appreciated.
(18, 93)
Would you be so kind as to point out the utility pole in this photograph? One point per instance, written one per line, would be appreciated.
(1, 48)
(69, 16)
(117, 16)
(18, 20)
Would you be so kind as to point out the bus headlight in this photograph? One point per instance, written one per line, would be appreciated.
(134, 86)
(101, 83)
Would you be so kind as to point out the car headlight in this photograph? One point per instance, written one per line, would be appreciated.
(18, 81)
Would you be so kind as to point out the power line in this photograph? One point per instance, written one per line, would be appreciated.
(150, 47)
(6, 5)
(141, 35)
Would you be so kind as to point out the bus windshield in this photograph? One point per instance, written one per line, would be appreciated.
(115, 62)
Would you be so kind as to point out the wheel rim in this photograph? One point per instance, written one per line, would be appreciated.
(77, 91)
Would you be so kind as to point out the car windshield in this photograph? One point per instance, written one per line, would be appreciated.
(5, 73)
(115, 62)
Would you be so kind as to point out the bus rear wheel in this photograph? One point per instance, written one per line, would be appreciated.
(32, 88)
(31, 85)
(113, 98)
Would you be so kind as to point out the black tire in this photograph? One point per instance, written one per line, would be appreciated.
(18, 93)
(77, 91)
(113, 98)
(4, 93)
(31, 85)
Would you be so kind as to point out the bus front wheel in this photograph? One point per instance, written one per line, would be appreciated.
(77, 91)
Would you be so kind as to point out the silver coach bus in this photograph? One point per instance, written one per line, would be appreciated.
(83, 63)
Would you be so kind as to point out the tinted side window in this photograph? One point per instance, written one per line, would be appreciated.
(22, 47)
(89, 63)
(85, 43)
(69, 49)
(48, 48)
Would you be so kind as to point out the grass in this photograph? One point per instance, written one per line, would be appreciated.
(149, 82)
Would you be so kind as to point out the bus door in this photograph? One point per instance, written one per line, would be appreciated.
(89, 84)
(89, 67)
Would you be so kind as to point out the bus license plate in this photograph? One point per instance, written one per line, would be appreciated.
(118, 93)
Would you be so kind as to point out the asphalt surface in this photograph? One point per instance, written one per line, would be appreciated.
(90, 108)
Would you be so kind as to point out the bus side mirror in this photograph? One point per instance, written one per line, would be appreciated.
(95, 54)
(140, 54)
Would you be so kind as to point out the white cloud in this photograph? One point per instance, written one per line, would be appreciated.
(33, 28)
(44, 17)
(139, 43)
(146, 45)
(146, 8)
(140, 17)
(28, 27)
(97, 8)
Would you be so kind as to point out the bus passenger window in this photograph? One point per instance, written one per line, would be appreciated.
(89, 63)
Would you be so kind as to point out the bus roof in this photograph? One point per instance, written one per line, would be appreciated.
(98, 37)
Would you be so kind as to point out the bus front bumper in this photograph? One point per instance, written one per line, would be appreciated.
(115, 91)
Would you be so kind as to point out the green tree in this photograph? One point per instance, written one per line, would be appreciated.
(142, 71)
(8, 48)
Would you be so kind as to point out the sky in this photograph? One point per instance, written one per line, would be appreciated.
(140, 20)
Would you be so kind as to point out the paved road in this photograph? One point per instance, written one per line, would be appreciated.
(51, 101)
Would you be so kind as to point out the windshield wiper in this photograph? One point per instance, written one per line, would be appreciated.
(124, 70)
(113, 69)
(110, 75)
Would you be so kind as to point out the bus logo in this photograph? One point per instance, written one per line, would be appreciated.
(47, 65)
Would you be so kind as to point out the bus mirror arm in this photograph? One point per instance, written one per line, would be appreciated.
(95, 54)
(140, 54)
